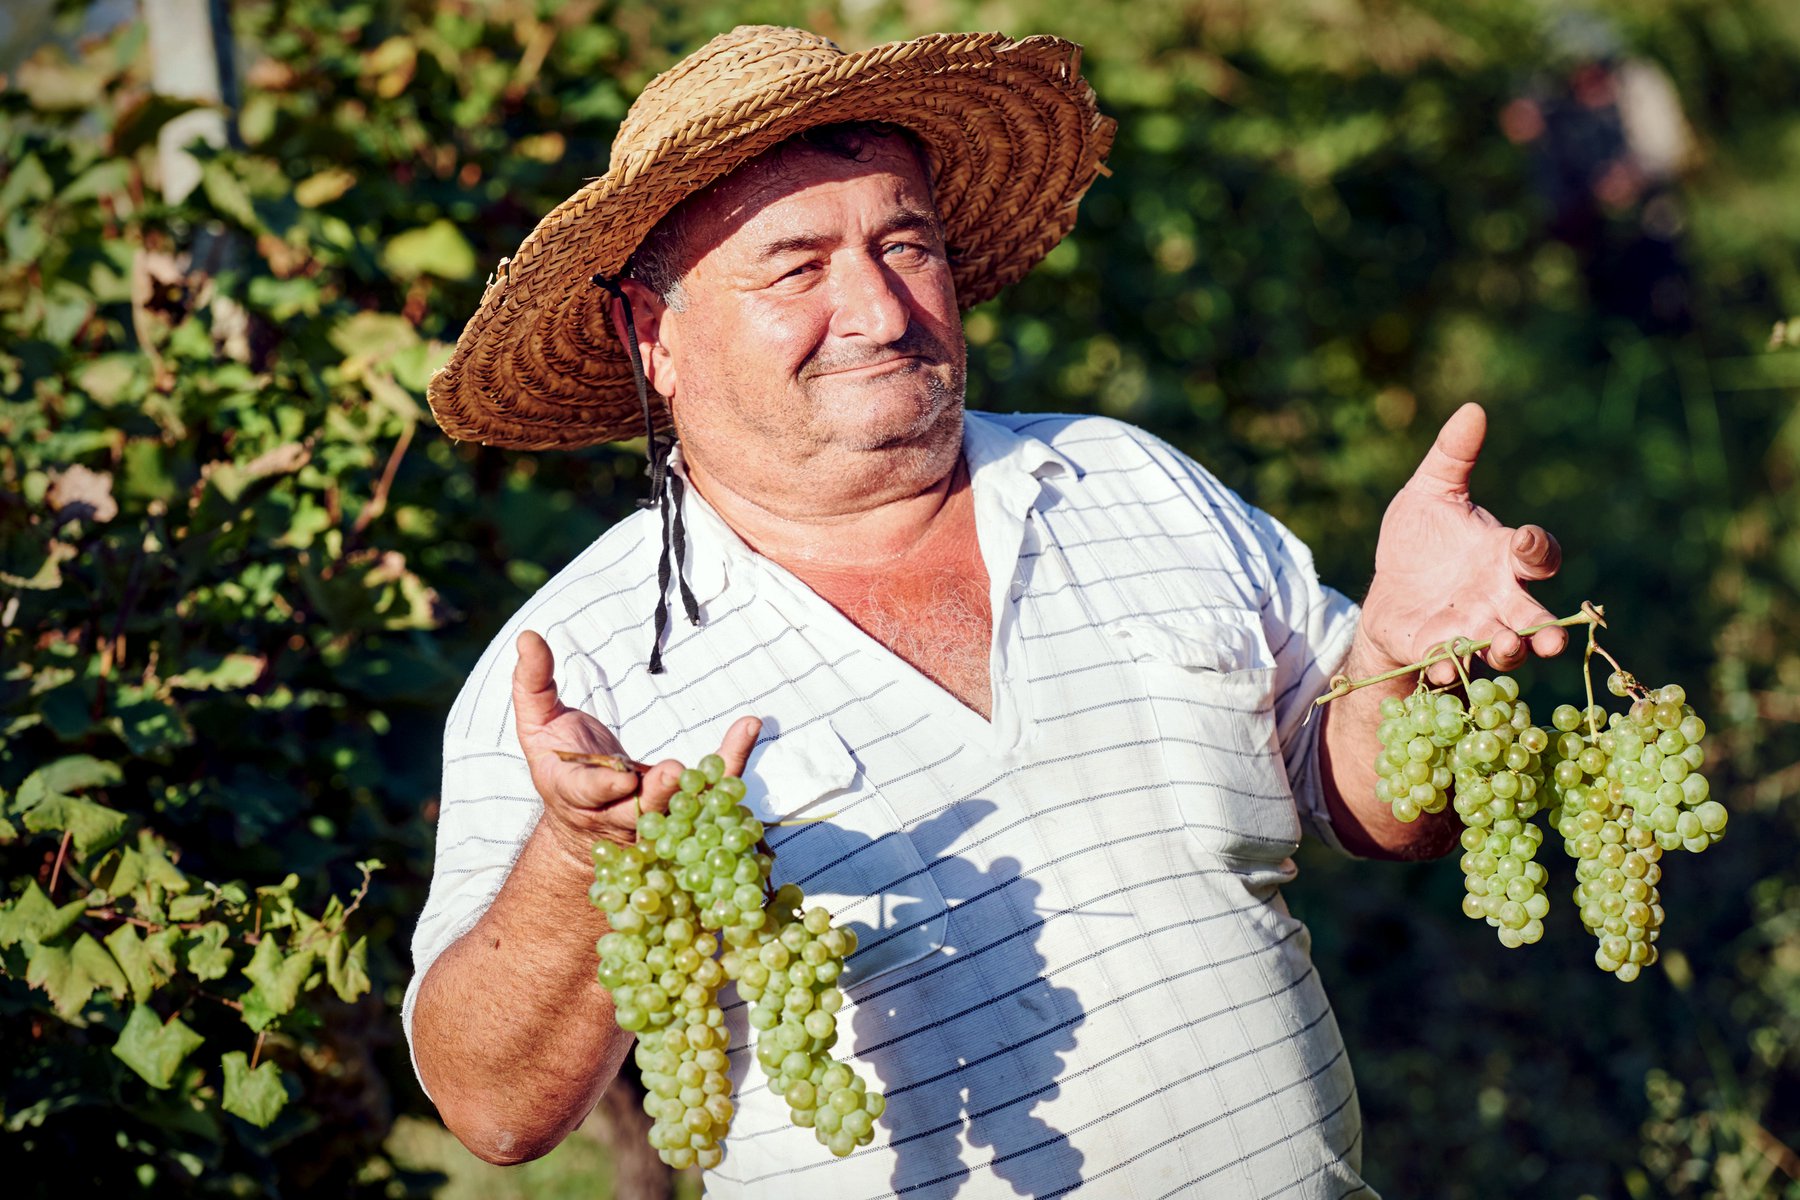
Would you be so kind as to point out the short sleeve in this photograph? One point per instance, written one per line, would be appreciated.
(1309, 628)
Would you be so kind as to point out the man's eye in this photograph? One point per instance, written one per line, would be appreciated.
(905, 250)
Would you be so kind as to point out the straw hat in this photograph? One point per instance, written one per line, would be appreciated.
(1011, 130)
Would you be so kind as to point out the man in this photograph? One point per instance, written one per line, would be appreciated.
(1047, 679)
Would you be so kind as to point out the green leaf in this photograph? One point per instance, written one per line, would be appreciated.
(371, 337)
(32, 919)
(278, 979)
(66, 775)
(323, 187)
(48, 574)
(99, 965)
(190, 907)
(255, 1095)
(148, 962)
(436, 249)
(347, 970)
(28, 183)
(106, 378)
(109, 177)
(122, 874)
(52, 83)
(157, 869)
(154, 1049)
(227, 193)
(151, 727)
(54, 969)
(221, 674)
(208, 957)
(94, 826)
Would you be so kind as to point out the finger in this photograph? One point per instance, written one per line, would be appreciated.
(1506, 651)
(740, 739)
(1548, 643)
(660, 783)
(1535, 553)
(535, 702)
(598, 788)
(1446, 466)
(1523, 612)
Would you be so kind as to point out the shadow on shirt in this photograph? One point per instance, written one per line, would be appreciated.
(984, 1029)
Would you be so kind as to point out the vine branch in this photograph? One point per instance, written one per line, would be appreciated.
(1456, 650)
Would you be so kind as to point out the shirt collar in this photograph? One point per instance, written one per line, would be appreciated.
(1001, 459)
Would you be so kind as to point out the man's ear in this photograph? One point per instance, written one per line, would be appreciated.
(654, 334)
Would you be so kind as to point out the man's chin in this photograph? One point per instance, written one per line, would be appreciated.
(921, 422)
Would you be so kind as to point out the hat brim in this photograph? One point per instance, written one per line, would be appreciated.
(1014, 138)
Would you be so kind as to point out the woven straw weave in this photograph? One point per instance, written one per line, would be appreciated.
(1014, 139)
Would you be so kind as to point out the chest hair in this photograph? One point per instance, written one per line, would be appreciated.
(936, 619)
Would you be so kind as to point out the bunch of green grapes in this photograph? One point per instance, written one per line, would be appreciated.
(1623, 788)
(1629, 793)
(1413, 768)
(1499, 780)
(695, 877)
(790, 980)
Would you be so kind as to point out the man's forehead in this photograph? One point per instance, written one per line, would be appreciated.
(763, 199)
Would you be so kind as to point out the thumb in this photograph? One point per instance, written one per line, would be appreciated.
(1446, 466)
(535, 702)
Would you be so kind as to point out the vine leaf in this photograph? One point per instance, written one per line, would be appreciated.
(256, 1095)
(63, 776)
(147, 962)
(347, 966)
(208, 957)
(94, 826)
(32, 919)
(278, 979)
(53, 969)
(71, 975)
(154, 1049)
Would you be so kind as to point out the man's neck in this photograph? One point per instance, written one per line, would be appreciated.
(833, 525)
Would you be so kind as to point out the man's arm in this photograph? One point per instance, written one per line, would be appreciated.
(1444, 568)
(514, 1038)
(513, 1035)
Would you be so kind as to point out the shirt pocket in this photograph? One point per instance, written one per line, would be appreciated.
(849, 852)
(1209, 683)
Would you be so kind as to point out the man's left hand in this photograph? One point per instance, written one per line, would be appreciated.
(1447, 568)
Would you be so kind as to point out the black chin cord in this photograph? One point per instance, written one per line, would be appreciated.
(666, 493)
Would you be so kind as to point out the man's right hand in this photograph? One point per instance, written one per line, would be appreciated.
(583, 802)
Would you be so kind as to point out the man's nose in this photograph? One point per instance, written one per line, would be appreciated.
(871, 301)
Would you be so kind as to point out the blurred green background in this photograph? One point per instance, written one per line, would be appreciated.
(1328, 224)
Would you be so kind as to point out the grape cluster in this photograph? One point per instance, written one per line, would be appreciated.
(1626, 794)
(1488, 754)
(695, 878)
(790, 980)
(1623, 789)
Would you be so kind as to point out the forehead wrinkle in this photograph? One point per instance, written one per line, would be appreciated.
(903, 220)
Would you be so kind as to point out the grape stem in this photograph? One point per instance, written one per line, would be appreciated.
(1456, 650)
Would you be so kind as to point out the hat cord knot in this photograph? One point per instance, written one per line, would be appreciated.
(666, 492)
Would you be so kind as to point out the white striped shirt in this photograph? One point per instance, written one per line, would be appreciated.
(1076, 972)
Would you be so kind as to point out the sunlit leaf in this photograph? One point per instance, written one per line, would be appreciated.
(153, 1048)
(436, 249)
(92, 826)
(31, 919)
(208, 957)
(255, 1095)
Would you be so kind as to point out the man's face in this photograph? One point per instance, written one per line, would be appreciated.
(820, 326)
